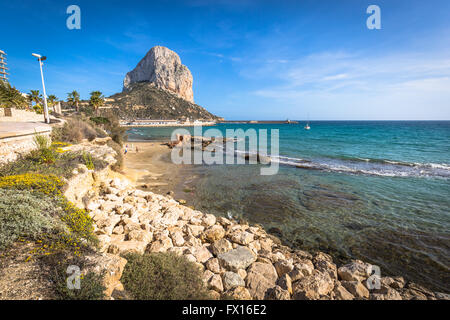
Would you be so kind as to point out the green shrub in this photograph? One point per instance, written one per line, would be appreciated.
(99, 120)
(62, 166)
(91, 284)
(75, 130)
(41, 141)
(162, 276)
(78, 222)
(46, 184)
(26, 215)
(88, 161)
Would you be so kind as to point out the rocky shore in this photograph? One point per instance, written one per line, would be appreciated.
(238, 261)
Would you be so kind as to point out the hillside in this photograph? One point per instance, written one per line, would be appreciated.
(144, 101)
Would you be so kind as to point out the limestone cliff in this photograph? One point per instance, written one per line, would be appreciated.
(162, 67)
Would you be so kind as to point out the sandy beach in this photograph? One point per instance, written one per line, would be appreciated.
(151, 169)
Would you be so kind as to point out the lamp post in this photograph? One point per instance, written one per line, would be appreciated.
(40, 59)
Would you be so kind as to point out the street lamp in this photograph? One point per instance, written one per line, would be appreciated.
(40, 59)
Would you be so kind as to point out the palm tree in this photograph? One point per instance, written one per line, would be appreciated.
(35, 96)
(11, 97)
(52, 100)
(74, 98)
(97, 100)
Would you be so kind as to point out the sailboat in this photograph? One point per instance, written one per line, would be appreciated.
(307, 127)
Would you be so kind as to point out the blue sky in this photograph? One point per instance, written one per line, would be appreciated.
(249, 59)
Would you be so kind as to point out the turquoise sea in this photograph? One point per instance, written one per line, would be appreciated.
(374, 190)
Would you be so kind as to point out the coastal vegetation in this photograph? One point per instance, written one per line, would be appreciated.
(162, 276)
(10, 97)
(74, 99)
(96, 100)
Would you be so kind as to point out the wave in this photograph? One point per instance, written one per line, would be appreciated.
(366, 166)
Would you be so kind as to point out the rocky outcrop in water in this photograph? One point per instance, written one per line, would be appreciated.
(162, 67)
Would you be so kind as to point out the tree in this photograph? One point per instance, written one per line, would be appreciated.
(52, 101)
(74, 98)
(35, 96)
(97, 100)
(11, 97)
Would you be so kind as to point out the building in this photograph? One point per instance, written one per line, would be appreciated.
(3, 68)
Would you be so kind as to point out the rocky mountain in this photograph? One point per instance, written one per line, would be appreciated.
(160, 87)
(143, 100)
(162, 67)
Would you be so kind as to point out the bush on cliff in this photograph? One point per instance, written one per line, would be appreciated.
(91, 283)
(77, 223)
(62, 165)
(162, 276)
(76, 129)
(23, 214)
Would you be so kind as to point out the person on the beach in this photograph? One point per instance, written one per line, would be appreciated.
(137, 150)
(126, 150)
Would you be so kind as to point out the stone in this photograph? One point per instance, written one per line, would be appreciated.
(214, 233)
(320, 256)
(111, 266)
(131, 225)
(238, 293)
(327, 266)
(239, 258)
(214, 295)
(215, 283)
(312, 287)
(194, 229)
(285, 283)
(209, 220)
(388, 294)
(171, 216)
(107, 224)
(123, 247)
(213, 265)
(283, 267)
(356, 288)
(224, 221)
(140, 235)
(277, 293)
(442, 296)
(207, 274)
(104, 241)
(161, 245)
(190, 258)
(202, 254)
(162, 67)
(242, 273)
(303, 269)
(340, 293)
(355, 271)
(393, 282)
(242, 238)
(118, 230)
(177, 238)
(232, 280)
(221, 246)
(260, 278)
(266, 244)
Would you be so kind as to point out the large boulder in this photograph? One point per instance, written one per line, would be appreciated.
(162, 67)
(314, 286)
(355, 271)
(260, 278)
(239, 258)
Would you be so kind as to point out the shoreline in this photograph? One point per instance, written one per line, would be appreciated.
(181, 183)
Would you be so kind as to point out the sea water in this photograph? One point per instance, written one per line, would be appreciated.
(378, 191)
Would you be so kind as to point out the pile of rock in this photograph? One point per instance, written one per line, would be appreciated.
(238, 261)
